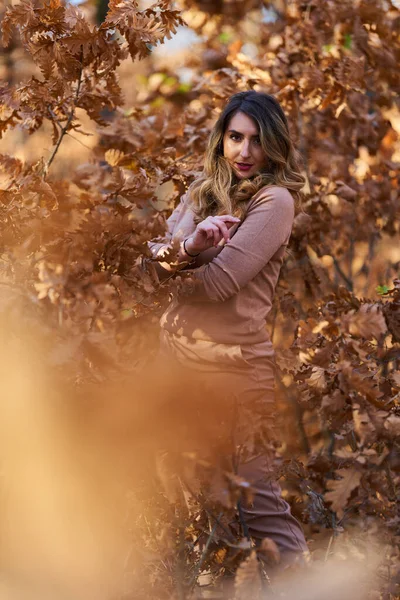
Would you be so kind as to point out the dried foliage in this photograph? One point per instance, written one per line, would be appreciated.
(72, 249)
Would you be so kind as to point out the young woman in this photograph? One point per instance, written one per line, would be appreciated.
(233, 226)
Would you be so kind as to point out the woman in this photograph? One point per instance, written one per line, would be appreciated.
(232, 227)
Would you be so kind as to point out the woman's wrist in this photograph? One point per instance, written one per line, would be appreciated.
(188, 249)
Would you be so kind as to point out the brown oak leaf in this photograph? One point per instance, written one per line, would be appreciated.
(269, 551)
(367, 322)
(340, 489)
(392, 424)
(317, 378)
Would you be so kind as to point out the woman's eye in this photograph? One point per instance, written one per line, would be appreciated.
(257, 141)
(234, 137)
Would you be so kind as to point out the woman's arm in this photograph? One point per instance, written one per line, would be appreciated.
(266, 228)
(210, 232)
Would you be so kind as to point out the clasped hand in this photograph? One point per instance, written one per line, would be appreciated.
(210, 232)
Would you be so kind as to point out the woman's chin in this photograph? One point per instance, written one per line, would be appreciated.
(242, 175)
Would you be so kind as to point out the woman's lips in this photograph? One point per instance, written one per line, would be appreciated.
(243, 166)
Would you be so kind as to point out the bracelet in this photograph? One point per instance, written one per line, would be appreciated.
(191, 255)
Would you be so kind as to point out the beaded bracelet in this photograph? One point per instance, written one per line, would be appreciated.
(191, 255)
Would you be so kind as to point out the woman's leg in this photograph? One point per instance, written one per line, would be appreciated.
(269, 515)
(250, 383)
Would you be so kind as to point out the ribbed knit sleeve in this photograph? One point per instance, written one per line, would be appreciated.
(266, 227)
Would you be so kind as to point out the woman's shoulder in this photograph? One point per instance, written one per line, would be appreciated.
(276, 193)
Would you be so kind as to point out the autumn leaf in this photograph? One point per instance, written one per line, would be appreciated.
(22, 14)
(392, 425)
(363, 426)
(341, 489)
(395, 375)
(317, 378)
(334, 402)
(113, 157)
(345, 191)
(367, 322)
(120, 11)
(269, 551)
(301, 225)
(351, 380)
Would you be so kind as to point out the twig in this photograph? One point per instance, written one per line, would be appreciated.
(348, 282)
(332, 442)
(299, 415)
(182, 157)
(218, 522)
(367, 265)
(351, 259)
(329, 546)
(192, 545)
(54, 117)
(79, 141)
(57, 122)
(209, 513)
(204, 553)
(68, 123)
(243, 523)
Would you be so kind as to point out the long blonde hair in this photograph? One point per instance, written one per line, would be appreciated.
(218, 190)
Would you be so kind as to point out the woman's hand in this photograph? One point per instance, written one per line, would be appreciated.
(210, 232)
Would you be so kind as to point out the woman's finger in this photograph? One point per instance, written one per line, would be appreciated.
(223, 229)
(211, 231)
(214, 229)
(217, 235)
(227, 218)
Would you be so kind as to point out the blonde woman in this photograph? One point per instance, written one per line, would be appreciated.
(233, 226)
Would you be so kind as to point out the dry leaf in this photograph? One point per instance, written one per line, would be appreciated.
(114, 157)
(317, 378)
(367, 322)
(363, 426)
(269, 551)
(341, 489)
(392, 424)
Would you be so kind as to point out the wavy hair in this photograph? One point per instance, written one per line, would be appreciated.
(218, 190)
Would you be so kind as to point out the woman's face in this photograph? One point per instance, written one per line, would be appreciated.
(242, 146)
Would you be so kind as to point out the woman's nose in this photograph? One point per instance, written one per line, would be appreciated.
(245, 149)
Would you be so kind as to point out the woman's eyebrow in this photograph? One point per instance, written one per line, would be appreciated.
(238, 133)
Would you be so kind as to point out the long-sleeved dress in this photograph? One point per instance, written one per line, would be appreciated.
(218, 328)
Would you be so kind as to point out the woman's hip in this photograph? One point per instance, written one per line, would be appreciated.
(244, 371)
